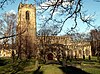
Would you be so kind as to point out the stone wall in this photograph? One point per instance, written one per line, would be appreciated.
(73, 49)
(6, 53)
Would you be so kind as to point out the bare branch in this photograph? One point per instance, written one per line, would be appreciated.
(2, 3)
(69, 9)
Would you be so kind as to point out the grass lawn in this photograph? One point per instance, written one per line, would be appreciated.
(73, 67)
(91, 66)
(51, 69)
(92, 70)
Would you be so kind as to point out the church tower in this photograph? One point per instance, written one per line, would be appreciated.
(27, 21)
(27, 18)
(26, 29)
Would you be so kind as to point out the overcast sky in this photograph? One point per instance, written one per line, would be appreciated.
(89, 5)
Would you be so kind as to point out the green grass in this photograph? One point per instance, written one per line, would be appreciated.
(45, 69)
(51, 69)
(29, 67)
(91, 66)
(92, 70)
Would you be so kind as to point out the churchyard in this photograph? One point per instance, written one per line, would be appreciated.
(32, 66)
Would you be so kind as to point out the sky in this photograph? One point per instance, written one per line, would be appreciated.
(88, 5)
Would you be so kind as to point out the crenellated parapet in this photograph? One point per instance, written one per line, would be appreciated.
(21, 5)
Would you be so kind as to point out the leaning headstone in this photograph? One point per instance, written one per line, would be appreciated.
(89, 57)
(83, 57)
(75, 57)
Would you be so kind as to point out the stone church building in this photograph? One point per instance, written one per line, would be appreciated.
(26, 30)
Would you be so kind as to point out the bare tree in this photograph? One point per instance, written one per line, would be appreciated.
(49, 44)
(95, 41)
(3, 2)
(8, 26)
(66, 9)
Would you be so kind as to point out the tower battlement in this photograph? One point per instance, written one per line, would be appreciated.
(26, 6)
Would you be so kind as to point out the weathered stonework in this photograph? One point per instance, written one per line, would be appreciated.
(26, 29)
(6, 53)
(66, 43)
(27, 24)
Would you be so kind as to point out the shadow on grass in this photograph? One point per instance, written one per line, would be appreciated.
(72, 70)
(38, 71)
(98, 67)
(90, 60)
(3, 62)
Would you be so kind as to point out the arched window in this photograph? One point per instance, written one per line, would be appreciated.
(27, 16)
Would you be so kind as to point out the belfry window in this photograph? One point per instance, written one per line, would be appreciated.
(27, 16)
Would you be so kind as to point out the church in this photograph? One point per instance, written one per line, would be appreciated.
(27, 37)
